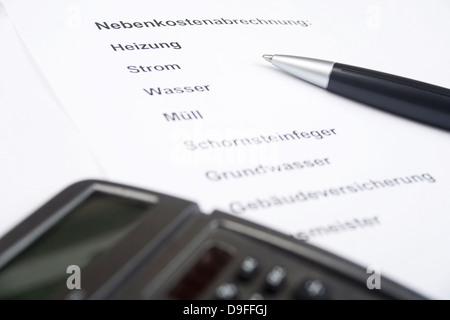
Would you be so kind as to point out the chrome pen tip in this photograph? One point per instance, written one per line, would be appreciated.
(268, 57)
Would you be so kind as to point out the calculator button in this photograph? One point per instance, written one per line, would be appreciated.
(248, 268)
(256, 296)
(312, 289)
(227, 291)
(275, 279)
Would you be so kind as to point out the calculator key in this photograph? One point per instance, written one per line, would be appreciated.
(227, 291)
(248, 268)
(275, 279)
(312, 289)
(256, 296)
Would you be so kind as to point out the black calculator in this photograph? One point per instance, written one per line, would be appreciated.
(101, 240)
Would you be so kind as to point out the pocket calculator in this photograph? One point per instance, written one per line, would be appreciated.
(124, 242)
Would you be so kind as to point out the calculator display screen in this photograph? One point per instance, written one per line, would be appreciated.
(79, 238)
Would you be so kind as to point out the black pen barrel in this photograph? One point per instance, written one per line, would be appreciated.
(402, 96)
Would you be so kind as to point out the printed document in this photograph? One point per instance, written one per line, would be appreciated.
(175, 97)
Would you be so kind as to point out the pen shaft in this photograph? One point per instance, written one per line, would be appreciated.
(406, 97)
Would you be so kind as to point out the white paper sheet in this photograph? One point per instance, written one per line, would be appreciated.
(174, 96)
(41, 152)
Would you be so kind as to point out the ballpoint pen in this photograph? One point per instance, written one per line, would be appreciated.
(409, 98)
